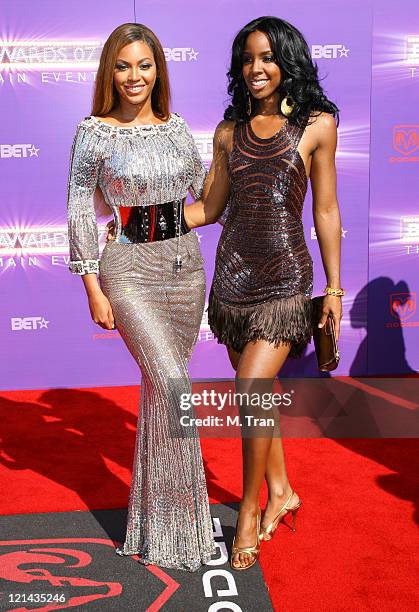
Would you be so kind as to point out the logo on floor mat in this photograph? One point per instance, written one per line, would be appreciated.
(60, 573)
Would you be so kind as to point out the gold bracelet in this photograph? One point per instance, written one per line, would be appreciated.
(335, 292)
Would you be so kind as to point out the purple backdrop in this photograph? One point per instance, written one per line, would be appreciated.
(48, 60)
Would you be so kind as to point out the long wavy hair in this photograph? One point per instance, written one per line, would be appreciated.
(299, 73)
(105, 96)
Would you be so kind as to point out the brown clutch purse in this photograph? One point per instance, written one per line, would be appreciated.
(325, 343)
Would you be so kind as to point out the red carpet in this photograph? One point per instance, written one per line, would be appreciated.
(355, 547)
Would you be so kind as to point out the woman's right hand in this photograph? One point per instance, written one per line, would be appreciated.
(101, 310)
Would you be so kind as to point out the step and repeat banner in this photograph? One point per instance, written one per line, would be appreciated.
(368, 59)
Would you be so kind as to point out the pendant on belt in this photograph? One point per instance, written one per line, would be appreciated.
(162, 223)
(178, 263)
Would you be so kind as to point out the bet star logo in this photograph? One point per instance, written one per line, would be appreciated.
(180, 54)
(193, 54)
(33, 151)
(18, 150)
(28, 323)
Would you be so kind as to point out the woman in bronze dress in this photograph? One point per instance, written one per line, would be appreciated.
(279, 130)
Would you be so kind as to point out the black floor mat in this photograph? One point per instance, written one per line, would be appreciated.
(54, 561)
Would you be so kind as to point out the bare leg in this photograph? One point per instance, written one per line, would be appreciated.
(276, 477)
(259, 360)
(279, 488)
(234, 357)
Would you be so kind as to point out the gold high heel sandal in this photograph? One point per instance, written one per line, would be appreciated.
(251, 550)
(266, 533)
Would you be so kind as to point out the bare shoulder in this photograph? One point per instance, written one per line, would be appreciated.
(322, 122)
(323, 127)
(223, 135)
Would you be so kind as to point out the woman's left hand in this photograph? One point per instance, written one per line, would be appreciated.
(110, 231)
(332, 305)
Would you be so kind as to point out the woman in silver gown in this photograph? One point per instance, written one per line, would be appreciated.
(151, 282)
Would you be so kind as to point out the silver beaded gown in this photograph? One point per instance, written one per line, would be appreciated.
(158, 312)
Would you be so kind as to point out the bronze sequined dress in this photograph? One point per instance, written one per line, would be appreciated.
(263, 276)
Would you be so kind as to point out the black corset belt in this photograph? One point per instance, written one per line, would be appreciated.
(152, 223)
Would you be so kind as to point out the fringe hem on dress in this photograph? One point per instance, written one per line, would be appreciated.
(279, 321)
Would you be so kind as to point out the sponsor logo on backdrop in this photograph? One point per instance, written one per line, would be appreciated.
(409, 233)
(409, 228)
(18, 150)
(406, 143)
(36, 53)
(329, 51)
(412, 54)
(50, 61)
(205, 334)
(402, 308)
(412, 249)
(23, 246)
(412, 49)
(313, 234)
(204, 144)
(180, 54)
(59, 61)
(28, 323)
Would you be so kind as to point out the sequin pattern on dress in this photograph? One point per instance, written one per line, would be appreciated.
(133, 166)
(263, 277)
(158, 312)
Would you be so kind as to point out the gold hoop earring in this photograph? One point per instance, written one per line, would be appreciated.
(287, 106)
(249, 103)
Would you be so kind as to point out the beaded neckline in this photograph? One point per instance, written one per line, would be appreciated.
(282, 139)
(269, 138)
(173, 122)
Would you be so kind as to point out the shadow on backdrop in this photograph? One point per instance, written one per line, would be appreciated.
(390, 307)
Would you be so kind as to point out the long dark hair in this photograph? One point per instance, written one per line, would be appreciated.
(105, 97)
(299, 74)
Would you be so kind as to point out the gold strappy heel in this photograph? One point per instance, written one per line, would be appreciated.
(266, 533)
(251, 550)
